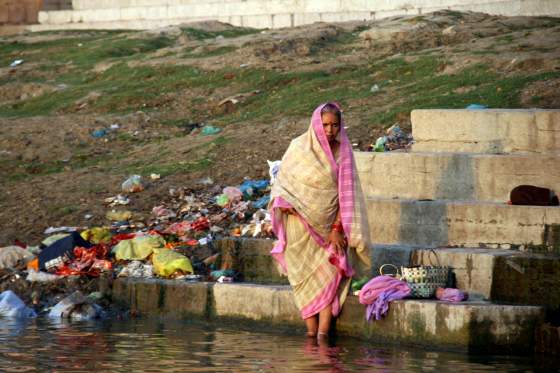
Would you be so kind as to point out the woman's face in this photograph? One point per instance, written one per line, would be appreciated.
(331, 125)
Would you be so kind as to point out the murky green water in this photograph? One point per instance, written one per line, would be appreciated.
(148, 345)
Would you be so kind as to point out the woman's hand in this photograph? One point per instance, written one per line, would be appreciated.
(289, 211)
(338, 241)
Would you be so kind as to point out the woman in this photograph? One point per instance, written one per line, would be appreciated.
(318, 211)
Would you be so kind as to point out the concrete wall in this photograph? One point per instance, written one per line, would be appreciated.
(269, 13)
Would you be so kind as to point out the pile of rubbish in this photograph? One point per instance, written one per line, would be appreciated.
(394, 139)
(175, 242)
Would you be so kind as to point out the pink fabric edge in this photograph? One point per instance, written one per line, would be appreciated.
(326, 297)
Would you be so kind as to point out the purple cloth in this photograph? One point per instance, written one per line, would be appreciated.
(451, 295)
(379, 292)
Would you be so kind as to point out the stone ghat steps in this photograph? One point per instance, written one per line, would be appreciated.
(440, 223)
(499, 275)
(492, 131)
(468, 326)
(454, 176)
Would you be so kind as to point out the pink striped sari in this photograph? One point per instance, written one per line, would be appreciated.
(313, 183)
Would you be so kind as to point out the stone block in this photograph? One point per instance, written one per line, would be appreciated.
(175, 298)
(487, 131)
(268, 303)
(527, 280)
(251, 258)
(389, 254)
(460, 176)
(467, 326)
(458, 223)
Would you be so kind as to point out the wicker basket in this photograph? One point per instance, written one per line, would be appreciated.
(423, 280)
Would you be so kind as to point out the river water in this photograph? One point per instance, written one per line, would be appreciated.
(149, 345)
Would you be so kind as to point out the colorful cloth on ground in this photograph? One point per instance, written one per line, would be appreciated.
(312, 182)
(379, 291)
(451, 295)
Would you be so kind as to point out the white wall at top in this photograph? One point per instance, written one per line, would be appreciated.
(270, 13)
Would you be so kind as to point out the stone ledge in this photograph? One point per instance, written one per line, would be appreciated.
(469, 326)
(441, 223)
(448, 176)
(487, 131)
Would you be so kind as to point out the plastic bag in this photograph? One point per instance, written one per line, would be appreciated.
(133, 184)
(137, 269)
(222, 200)
(233, 194)
(37, 276)
(261, 202)
(115, 215)
(12, 306)
(167, 262)
(250, 187)
(12, 255)
(210, 130)
(97, 235)
(138, 248)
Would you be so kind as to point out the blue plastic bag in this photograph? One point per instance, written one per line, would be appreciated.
(250, 187)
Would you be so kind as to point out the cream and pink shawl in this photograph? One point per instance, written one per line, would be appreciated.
(312, 182)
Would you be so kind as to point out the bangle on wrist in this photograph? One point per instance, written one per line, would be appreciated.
(337, 226)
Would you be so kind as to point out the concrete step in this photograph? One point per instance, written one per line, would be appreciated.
(487, 131)
(486, 274)
(468, 326)
(463, 223)
(499, 275)
(478, 177)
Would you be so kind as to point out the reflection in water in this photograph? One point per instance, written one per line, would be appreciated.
(154, 346)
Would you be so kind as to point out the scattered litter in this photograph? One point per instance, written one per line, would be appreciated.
(223, 279)
(37, 276)
(168, 263)
(118, 200)
(52, 230)
(16, 63)
(273, 169)
(394, 139)
(115, 215)
(88, 216)
(374, 88)
(161, 212)
(210, 130)
(12, 306)
(99, 133)
(13, 256)
(155, 176)
(133, 184)
(206, 181)
(138, 248)
(137, 269)
(476, 107)
(114, 126)
(76, 307)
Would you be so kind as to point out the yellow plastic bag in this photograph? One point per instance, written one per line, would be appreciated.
(166, 262)
(138, 248)
(97, 235)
